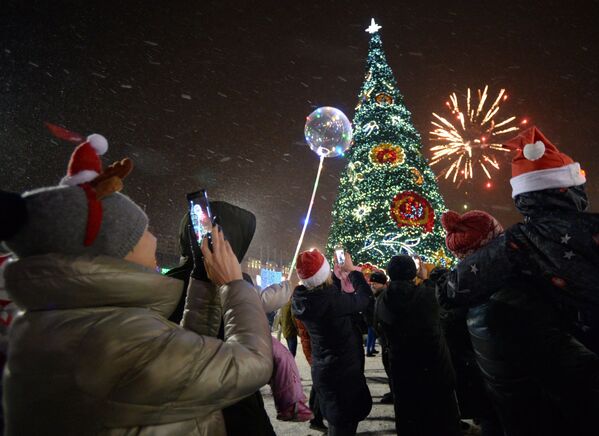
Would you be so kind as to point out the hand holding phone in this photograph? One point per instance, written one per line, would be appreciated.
(221, 263)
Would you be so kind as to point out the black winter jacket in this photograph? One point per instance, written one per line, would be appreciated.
(422, 374)
(337, 351)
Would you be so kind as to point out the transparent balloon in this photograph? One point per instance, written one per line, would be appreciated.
(328, 132)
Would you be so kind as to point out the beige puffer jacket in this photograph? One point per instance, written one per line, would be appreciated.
(93, 353)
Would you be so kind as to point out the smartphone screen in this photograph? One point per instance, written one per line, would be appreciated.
(340, 254)
(199, 213)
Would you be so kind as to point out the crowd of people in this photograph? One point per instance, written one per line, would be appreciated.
(95, 341)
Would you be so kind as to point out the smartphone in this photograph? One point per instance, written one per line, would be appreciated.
(199, 213)
(417, 261)
(340, 255)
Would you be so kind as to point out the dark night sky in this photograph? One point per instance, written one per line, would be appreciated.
(214, 93)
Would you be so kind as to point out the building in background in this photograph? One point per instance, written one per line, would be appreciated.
(265, 273)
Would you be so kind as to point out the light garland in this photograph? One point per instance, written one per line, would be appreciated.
(396, 179)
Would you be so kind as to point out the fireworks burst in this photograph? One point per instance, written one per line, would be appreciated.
(473, 140)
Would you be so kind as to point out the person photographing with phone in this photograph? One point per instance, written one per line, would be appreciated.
(337, 352)
(92, 351)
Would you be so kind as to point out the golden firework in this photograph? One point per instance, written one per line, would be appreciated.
(473, 139)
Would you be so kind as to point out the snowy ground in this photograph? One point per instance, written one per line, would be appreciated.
(379, 422)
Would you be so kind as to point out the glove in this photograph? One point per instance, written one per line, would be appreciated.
(199, 270)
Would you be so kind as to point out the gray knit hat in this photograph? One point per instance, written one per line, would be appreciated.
(57, 219)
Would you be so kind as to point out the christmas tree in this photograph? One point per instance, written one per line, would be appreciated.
(388, 201)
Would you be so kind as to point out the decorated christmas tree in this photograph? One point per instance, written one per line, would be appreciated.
(388, 201)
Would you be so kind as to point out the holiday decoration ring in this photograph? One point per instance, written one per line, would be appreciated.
(383, 98)
(389, 154)
(409, 209)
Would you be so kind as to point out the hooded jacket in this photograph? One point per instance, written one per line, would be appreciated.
(239, 226)
(337, 351)
(93, 352)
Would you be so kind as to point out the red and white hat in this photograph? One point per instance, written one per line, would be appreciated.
(539, 165)
(85, 164)
(312, 268)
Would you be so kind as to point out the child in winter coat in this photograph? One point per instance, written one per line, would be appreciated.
(92, 351)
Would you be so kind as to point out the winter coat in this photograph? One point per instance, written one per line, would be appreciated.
(337, 350)
(422, 375)
(541, 379)
(288, 328)
(557, 244)
(531, 291)
(93, 352)
(248, 416)
(472, 397)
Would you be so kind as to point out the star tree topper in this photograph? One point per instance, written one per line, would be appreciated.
(373, 28)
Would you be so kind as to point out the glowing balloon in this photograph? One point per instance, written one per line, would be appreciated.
(328, 132)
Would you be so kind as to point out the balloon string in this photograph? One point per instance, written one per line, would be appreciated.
(301, 239)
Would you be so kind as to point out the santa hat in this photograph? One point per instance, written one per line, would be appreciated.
(312, 268)
(468, 232)
(85, 164)
(539, 165)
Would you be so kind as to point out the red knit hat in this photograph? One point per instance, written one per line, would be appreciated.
(85, 164)
(469, 232)
(312, 268)
(539, 165)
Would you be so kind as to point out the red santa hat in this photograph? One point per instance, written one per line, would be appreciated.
(312, 268)
(85, 164)
(468, 232)
(539, 165)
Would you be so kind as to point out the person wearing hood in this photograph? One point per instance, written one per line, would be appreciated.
(249, 416)
(242, 226)
(92, 351)
(422, 376)
(538, 281)
(337, 350)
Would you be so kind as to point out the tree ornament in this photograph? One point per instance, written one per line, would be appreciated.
(370, 127)
(361, 211)
(411, 209)
(387, 154)
(382, 98)
(354, 172)
(441, 259)
(417, 175)
(365, 96)
(396, 120)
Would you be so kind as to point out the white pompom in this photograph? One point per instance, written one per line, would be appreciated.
(98, 142)
(534, 151)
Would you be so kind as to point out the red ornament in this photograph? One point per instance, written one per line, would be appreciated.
(411, 209)
(387, 154)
